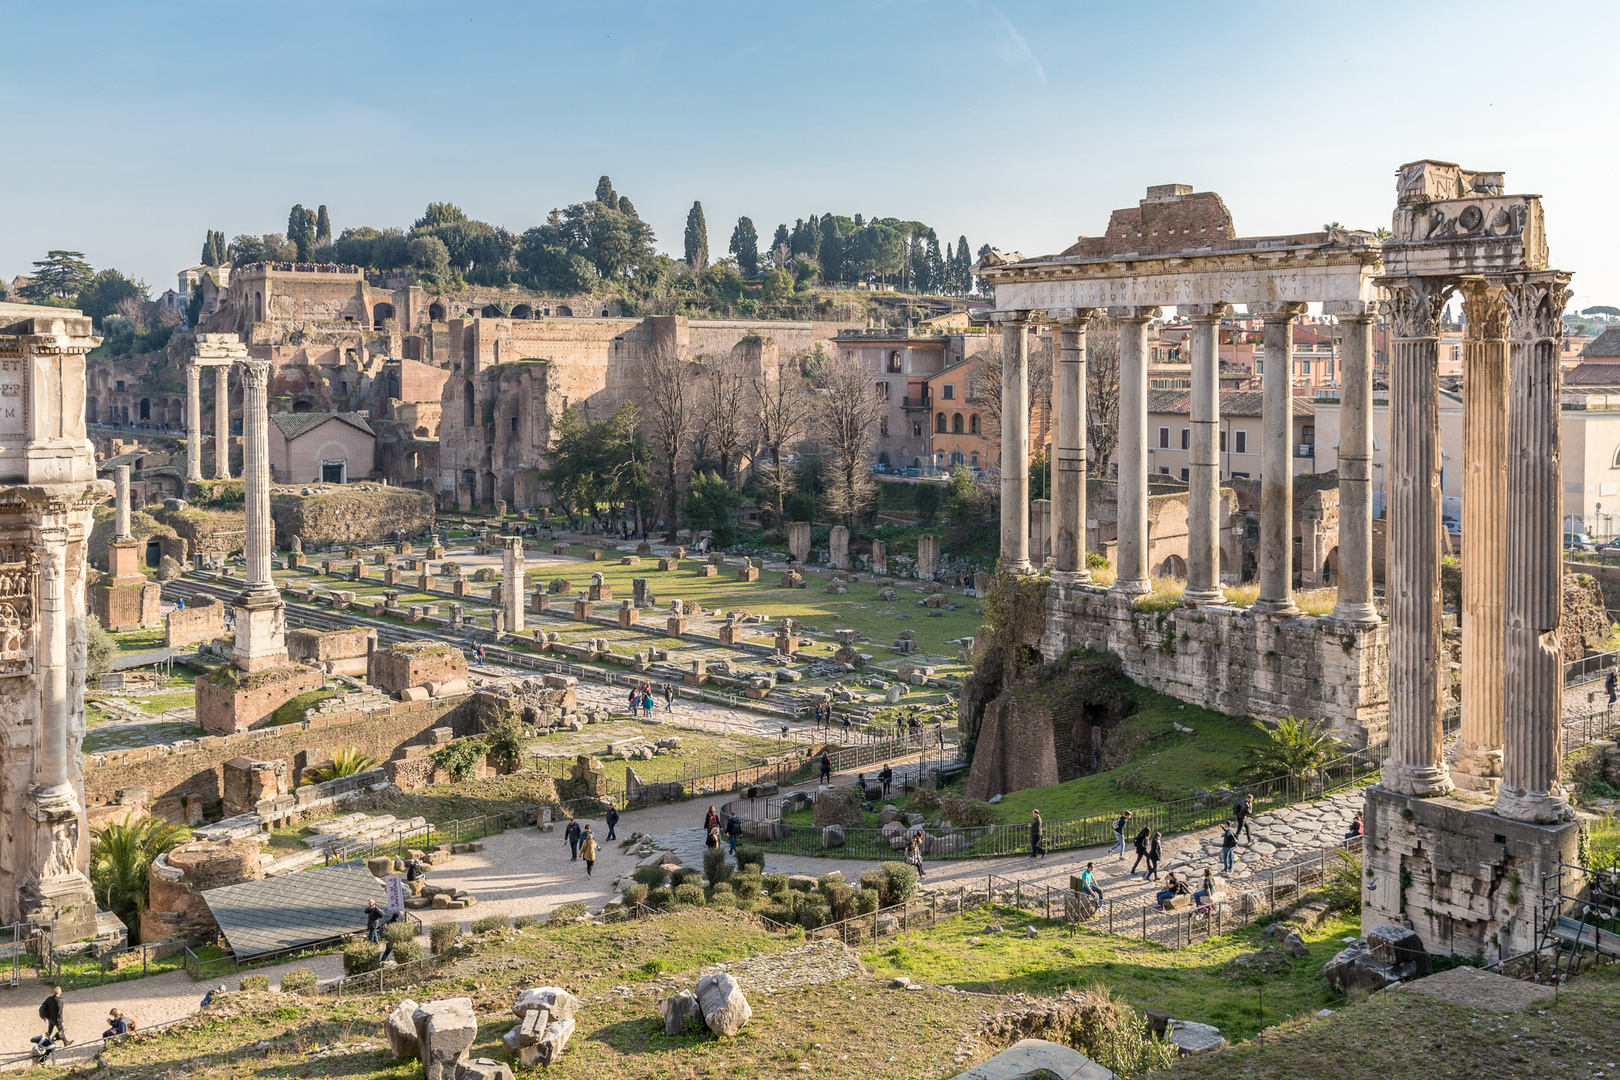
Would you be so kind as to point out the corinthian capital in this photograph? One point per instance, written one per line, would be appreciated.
(1535, 305)
(1416, 305)
(1485, 314)
(255, 374)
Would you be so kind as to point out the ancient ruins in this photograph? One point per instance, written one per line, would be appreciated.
(1454, 231)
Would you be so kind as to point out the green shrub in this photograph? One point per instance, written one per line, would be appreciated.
(867, 901)
(841, 899)
(745, 903)
(357, 959)
(298, 981)
(442, 936)
(399, 931)
(407, 952)
(567, 912)
(523, 922)
(750, 856)
(721, 895)
(687, 875)
(900, 882)
(780, 914)
(716, 866)
(872, 881)
(689, 893)
(490, 922)
(262, 982)
(748, 885)
(636, 894)
(812, 914)
(660, 898)
(776, 884)
(827, 881)
(650, 876)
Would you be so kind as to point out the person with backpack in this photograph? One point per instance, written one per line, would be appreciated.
(826, 769)
(50, 1011)
(1240, 813)
(1154, 855)
(1120, 825)
(587, 850)
(886, 777)
(635, 699)
(612, 821)
(1610, 686)
(571, 835)
(914, 855)
(669, 698)
(374, 921)
(734, 828)
(1141, 845)
(117, 1024)
(711, 820)
(1228, 843)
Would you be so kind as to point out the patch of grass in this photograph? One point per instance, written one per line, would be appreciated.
(1190, 982)
(162, 703)
(1604, 842)
(1165, 595)
(292, 712)
(134, 641)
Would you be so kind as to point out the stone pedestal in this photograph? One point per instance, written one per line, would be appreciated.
(880, 557)
(676, 625)
(786, 644)
(731, 634)
(126, 600)
(426, 583)
(748, 573)
(838, 548)
(601, 592)
(628, 616)
(295, 560)
(392, 576)
(928, 556)
(799, 539)
(540, 600)
(583, 609)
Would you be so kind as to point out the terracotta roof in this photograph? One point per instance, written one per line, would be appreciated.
(1605, 345)
(293, 425)
(1233, 403)
(1594, 374)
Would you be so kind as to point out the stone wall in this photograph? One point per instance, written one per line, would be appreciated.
(1228, 659)
(215, 532)
(341, 651)
(196, 767)
(419, 663)
(231, 701)
(203, 620)
(349, 516)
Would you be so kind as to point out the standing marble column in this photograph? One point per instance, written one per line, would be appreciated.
(512, 572)
(193, 422)
(1204, 464)
(1014, 440)
(222, 421)
(1355, 605)
(1477, 763)
(121, 503)
(1416, 691)
(1532, 756)
(1277, 461)
(1131, 569)
(1069, 449)
(54, 791)
(261, 640)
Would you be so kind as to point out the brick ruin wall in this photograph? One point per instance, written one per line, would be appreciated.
(199, 622)
(350, 516)
(197, 767)
(1232, 661)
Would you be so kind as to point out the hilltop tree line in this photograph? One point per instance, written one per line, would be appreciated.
(116, 303)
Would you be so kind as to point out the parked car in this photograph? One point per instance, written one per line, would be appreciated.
(1611, 549)
(1453, 526)
(1577, 541)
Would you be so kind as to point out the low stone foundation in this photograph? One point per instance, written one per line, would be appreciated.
(1465, 880)
(204, 620)
(229, 701)
(1232, 660)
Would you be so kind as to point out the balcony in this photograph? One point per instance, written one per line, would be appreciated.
(1305, 450)
(914, 403)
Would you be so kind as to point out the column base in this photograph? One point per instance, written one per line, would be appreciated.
(1420, 780)
(1071, 577)
(1020, 567)
(1282, 609)
(1198, 598)
(1534, 807)
(1131, 586)
(1477, 768)
(1356, 615)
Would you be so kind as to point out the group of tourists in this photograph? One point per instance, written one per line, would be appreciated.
(53, 1011)
(641, 697)
(712, 833)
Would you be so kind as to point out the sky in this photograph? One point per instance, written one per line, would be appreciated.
(134, 127)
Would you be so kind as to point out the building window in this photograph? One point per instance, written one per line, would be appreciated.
(1223, 442)
(1185, 437)
(894, 362)
(916, 429)
(957, 458)
(956, 423)
(1164, 438)
(1240, 440)
(973, 424)
(1183, 476)
(939, 423)
(949, 392)
(974, 457)
(1304, 367)
(514, 425)
(883, 426)
(1164, 470)
(883, 391)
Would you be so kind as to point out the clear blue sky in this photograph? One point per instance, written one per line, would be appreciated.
(133, 127)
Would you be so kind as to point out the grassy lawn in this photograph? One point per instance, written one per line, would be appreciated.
(1406, 1034)
(124, 736)
(133, 641)
(293, 710)
(1190, 982)
(79, 972)
(162, 703)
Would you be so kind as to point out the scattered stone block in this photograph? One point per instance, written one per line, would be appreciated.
(401, 1030)
(1191, 1038)
(444, 1032)
(680, 1011)
(483, 1069)
(725, 1009)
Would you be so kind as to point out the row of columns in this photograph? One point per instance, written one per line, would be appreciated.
(1355, 606)
(1511, 734)
(222, 421)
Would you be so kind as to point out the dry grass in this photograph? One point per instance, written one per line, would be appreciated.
(1241, 595)
(1165, 594)
(1316, 601)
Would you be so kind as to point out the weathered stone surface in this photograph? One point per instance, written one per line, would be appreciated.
(1191, 1038)
(483, 1069)
(1036, 1057)
(559, 1003)
(444, 1031)
(1355, 968)
(401, 1030)
(548, 1051)
(680, 1012)
(725, 1009)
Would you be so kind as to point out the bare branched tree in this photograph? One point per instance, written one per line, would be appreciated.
(783, 406)
(724, 414)
(667, 418)
(849, 410)
(985, 381)
(1102, 394)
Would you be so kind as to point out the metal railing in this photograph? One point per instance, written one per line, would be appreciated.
(375, 982)
(1589, 668)
(91, 968)
(919, 912)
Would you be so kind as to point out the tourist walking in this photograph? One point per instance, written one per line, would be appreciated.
(572, 835)
(711, 819)
(1036, 848)
(635, 699)
(587, 850)
(711, 838)
(914, 855)
(1611, 686)
(50, 1011)
(734, 829)
(647, 702)
(826, 769)
(1120, 825)
(1141, 845)
(375, 917)
(1228, 842)
(612, 822)
(886, 777)
(669, 698)
(1153, 857)
(1088, 881)
(1240, 813)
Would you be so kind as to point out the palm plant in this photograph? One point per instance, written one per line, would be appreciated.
(120, 858)
(345, 762)
(1294, 747)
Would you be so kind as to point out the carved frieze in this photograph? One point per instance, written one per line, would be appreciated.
(1416, 305)
(19, 570)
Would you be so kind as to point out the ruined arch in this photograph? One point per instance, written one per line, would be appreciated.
(91, 408)
(302, 406)
(146, 408)
(565, 311)
(258, 307)
(1330, 567)
(436, 313)
(490, 311)
(523, 311)
(380, 313)
(1174, 566)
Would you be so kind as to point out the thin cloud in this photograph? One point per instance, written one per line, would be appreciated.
(1011, 48)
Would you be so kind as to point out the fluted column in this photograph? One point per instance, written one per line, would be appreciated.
(1014, 440)
(512, 572)
(1533, 703)
(1477, 763)
(121, 503)
(1355, 604)
(222, 421)
(193, 422)
(261, 640)
(1415, 765)
(1069, 457)
(1277, 461)
(1204, 465)
(1131, 570)
(54, 787)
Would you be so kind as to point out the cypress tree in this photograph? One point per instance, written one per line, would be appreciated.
(697, 239)
(745, 245)
(323, 227)
(936, 265)
(605, 195)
